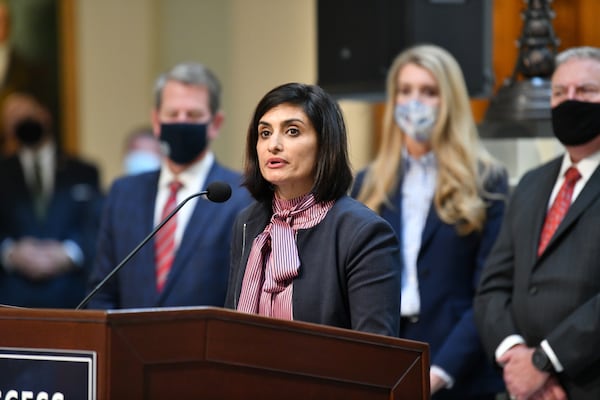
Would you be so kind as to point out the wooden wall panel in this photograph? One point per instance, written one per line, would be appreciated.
(68, 76)
(588, 25)
(576, 22)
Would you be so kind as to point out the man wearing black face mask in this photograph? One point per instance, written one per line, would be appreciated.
(47, 218)
(538, 303)
(187, 262)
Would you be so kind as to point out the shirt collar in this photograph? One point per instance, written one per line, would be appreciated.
(586, 166)
(428, 160)
(192, 178)
(45, 154)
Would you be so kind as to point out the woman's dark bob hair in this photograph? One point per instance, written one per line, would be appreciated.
(333, 173)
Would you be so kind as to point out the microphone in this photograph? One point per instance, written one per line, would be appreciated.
(217, 192)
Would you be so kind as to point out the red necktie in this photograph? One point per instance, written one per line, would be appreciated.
(165, 238)
(559, 208)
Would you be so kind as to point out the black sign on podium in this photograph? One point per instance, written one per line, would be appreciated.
(46, 374)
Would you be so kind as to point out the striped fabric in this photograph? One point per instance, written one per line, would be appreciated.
(274, 262)
(165, 238)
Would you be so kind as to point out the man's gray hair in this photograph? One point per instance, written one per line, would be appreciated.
(190, 73)
(583, 52)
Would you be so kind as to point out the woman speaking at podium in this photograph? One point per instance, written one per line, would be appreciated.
(305, 250)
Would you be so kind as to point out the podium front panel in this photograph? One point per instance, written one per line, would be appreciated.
(206, 352)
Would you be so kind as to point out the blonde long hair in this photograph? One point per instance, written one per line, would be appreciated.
(463, 164)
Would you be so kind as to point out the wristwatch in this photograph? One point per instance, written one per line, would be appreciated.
(540, 360)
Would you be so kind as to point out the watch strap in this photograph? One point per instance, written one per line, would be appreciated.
(541, 361)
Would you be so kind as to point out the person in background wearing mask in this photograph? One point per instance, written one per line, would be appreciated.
(47, 214)
(17, 74)
(444, 196)
(142, 152)
(187, 262)
(538, 306)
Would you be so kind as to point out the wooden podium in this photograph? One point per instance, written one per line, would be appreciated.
(214, 353)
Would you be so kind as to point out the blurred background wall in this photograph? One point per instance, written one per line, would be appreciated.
(122, 46)
(112, 50)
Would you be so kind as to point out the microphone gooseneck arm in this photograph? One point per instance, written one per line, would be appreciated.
(137, 248)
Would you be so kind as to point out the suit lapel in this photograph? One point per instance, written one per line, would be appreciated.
(196, 228)
(394, 216)
(19, 174)
(538, 207)
(147, 254)
(393, 213)
(198, 224)
(432, 224)
(21, 190)
(145, 192)
(589, 194)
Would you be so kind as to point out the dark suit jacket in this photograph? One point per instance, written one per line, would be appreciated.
(556, 296)
(448, 268)
(349, 273)
(199, 272)
(70, 216)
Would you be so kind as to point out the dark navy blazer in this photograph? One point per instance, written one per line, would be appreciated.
(199, 272)
(449, 267)
(70, 215)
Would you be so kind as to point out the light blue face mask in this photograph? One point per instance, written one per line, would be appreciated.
(139, 161)
(416, 119)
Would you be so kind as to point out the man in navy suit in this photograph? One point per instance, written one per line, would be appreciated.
(47, 218)
(538, 304)
(186, 118)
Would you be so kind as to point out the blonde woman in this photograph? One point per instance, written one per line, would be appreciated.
(444, 195)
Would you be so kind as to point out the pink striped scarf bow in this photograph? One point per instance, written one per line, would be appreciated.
(277, 244)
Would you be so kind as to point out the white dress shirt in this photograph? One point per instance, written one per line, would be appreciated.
(418, 187)
(193, 180)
